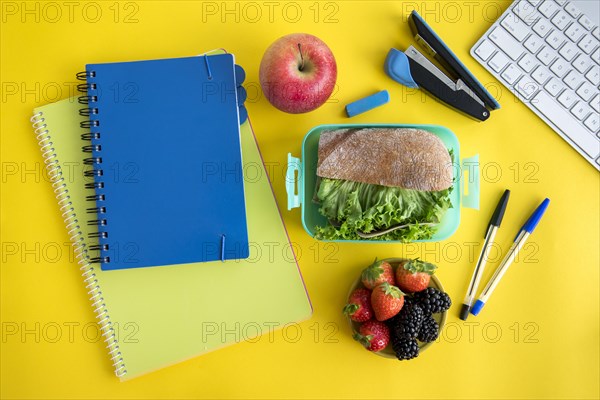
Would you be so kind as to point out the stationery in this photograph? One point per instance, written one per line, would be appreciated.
(155, 317)
(367, 103)
(520, 239)
(458, 88)
(493, 226)
(165, 160)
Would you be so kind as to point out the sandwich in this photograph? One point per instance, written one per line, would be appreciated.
(382, 184)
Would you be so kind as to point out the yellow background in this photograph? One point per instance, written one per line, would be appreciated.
(537, 338)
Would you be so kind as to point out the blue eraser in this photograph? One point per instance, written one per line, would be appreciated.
(477, 307)
(367, 103)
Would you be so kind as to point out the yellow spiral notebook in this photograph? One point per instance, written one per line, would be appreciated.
(175, 310)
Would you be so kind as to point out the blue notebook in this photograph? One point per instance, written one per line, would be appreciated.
(165, 161)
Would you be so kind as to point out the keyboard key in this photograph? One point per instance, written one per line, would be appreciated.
(586, 91)
(582, 63)
(586, 22)
(560, 67)
(516, 27)
(485, 50)
(581, 110)
(533, 43)
(554, 87)
(596, 103)
(535, 3)
(528, 63)
(526, 87)
(542, 27)
(575, 32)
(596, 33)
(573, 79)
(511, 74)
(548, 8)
(561, 2)
(565, 122)
(555, 39)
(526, 12)
(588, 44)
(561, 20)
(593, 75)
(592, 122)
(596, 56)
(567, 98)
(573, 10)
(506, 42)
(546, 56)
(541, 75)
(569, 51)
(498, 62)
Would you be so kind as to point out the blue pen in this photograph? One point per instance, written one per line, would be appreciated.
(520, 240)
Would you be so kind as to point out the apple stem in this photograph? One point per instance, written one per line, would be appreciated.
(301, 67)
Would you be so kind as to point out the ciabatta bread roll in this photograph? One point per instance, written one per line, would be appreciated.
(398, 157)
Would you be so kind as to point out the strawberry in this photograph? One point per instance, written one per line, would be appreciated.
(359, 305)
(374, 335)
(414, 275)
(377, 273)
(387, 301)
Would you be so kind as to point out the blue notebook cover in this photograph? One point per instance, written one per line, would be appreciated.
(166, 159)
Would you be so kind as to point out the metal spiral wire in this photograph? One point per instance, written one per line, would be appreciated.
(77, 239)
(90, 124)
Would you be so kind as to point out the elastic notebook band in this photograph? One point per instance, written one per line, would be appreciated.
(223, 248)
(78, 242)
(207, 67)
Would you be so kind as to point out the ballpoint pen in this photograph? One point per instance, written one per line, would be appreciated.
(518, 243)
(493, 226)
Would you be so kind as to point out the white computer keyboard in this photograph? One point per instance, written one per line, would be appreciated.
(547, 52)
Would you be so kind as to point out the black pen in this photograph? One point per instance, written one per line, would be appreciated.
(483, 256)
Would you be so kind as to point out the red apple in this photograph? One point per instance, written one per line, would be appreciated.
(297, 73)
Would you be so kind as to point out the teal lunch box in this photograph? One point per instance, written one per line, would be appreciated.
(301, 179)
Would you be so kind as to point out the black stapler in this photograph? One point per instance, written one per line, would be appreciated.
(461, 90)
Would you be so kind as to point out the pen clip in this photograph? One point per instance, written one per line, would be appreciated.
(534, 219)
(536, 216)
(498, 214)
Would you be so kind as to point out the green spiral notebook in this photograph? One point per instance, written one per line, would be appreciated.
(172, 307)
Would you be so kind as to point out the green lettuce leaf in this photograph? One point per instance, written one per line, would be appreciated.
(354, 206)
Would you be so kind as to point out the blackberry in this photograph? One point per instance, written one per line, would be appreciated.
(405, 348)
(408, 321)
(429, 331)
(432, 301)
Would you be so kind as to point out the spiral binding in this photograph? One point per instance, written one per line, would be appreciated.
(91, 122)
(76, 236)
